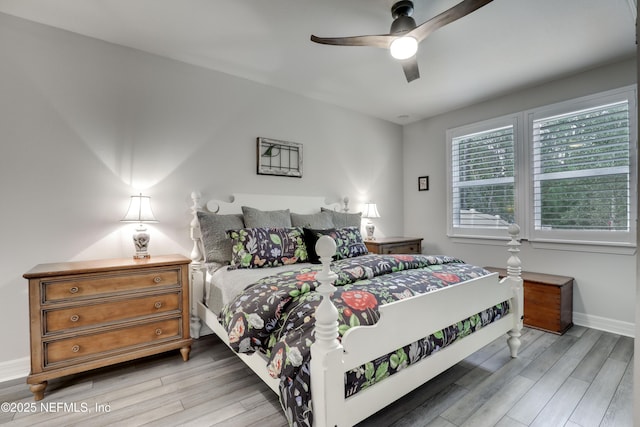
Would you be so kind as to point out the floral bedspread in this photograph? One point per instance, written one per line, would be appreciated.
(275, 316)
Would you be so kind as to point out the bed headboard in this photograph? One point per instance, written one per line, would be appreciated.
(297, 204)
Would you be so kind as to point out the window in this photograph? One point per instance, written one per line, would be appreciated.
(573, 180)
(483, 178)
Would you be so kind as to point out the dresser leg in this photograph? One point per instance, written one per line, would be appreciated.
(185, 352)
(38, 390)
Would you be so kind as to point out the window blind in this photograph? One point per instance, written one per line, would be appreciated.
(581, 166)
(483, 179)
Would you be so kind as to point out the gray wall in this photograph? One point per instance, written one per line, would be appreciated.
(604, 295)
(84, 124)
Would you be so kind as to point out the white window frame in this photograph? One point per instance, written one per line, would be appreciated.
(457, 230)
(601, 237)
(524, 182)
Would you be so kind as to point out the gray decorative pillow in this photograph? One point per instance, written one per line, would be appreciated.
(255, 218)
(318, 221)
(217, 246)
(343, 219)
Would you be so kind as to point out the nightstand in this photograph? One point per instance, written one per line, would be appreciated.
(395, 245)
(89, 314)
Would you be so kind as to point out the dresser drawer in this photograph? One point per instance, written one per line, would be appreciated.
(112, 341)
(115, 311)
(394, 245)
(100, 285)
(400, 249)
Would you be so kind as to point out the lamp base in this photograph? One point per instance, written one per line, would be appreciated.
(141, 242)
(370, 229)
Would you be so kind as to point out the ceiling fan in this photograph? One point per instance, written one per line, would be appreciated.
(404, 35)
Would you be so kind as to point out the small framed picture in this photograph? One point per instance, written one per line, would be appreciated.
(423, 183)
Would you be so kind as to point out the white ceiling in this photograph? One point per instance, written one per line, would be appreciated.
(504, 46)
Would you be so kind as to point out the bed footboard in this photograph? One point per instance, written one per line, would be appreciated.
(330, 358)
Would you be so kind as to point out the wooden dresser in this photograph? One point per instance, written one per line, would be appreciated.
(89, 314)
(395, 245)
(548, 300)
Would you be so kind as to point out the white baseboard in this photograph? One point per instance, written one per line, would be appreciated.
(605, 324)
(16, 368)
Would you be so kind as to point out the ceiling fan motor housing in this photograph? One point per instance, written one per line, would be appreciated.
(402, 8)
(403, 22)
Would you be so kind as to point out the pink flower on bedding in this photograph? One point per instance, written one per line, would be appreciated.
(275, 367)
(238, 330)
(447, 277)
(306, 277)
(404, 257)
(359, 300)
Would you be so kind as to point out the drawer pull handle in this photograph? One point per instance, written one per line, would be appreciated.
(74, 290)
(157, 279)
(158, 331)
(158, 304)
(74, 318)
(75, 348)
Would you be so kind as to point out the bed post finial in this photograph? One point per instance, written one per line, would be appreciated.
(196, 268)
(326, 313)
(514, 265)
(326, 352)
(196, 252)
(514, 269)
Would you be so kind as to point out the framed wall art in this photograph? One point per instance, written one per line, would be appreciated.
(275, 157)
(423, 183)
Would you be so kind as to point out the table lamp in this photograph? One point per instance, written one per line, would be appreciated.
(140, 211)
(370, 211)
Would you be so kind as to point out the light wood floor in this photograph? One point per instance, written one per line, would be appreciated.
(582, 378)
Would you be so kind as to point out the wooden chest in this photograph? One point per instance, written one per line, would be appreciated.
(394, 245)
(548, 300)
(90, 314)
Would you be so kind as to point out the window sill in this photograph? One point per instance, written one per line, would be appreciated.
(603, 248)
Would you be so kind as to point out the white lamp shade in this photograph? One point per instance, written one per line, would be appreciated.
(139, 210)
(370, 210)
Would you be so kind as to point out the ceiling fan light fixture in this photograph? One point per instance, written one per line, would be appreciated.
(404, 35)
(403, 47)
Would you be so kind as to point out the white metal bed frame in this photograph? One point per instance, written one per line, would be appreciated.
(330, 358)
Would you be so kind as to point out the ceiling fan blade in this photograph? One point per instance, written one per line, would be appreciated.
(382, 40)
(410, 68)
(450, 15)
